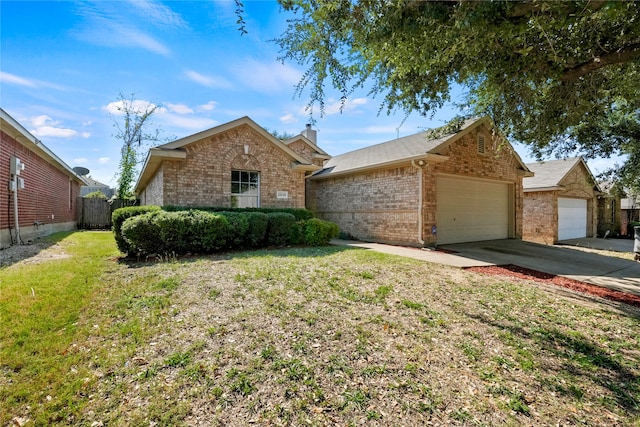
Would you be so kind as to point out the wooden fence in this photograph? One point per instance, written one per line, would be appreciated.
(95, 213)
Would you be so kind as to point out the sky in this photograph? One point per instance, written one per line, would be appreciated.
(65, 64)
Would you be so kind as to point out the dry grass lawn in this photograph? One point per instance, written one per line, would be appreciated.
(336, 336)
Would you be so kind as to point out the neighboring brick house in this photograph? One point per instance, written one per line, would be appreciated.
(560, 201)
(417, 191)
(47, 203)
(629, 213)
(609, 212)
(237, 164)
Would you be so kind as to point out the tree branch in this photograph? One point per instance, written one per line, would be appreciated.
(622, 55)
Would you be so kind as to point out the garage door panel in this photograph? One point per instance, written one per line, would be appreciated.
(469, 210)
(572, 218)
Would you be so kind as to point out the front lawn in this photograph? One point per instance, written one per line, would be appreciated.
(313, 336)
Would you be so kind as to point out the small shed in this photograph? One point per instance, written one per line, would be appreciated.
(560, 201)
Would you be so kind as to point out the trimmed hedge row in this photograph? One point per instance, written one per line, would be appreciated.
(119, 216)
(154, 231)
(298, 213)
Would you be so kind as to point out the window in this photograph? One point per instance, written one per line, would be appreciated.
(481, 144)
(245, 189)
(613, 211)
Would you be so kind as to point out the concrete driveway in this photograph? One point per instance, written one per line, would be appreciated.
(562, 260)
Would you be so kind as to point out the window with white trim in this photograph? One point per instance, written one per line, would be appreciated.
(245, 189)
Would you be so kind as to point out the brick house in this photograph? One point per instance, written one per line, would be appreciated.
(416, 191)
(236, 164)
(609, 210)
(560, 201)
(629, 213)
(47, 201)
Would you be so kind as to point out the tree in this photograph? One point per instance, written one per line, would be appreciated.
(556, 75)
(131, 119)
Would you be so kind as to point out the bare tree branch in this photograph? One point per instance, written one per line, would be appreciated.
(622, 55)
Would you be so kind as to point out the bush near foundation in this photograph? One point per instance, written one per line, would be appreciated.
(119, 216)
(299, 213)
(318, 232)
(279, 231)
(176, 232)
(151, 231)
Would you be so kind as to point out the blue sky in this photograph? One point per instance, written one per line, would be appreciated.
(64, 64)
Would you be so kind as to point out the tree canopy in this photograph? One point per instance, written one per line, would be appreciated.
(131, 119)
(560, 76)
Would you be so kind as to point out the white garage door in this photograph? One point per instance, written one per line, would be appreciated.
(572, 218)
(469, 210)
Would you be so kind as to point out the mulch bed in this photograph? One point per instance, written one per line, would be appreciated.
(511, 270)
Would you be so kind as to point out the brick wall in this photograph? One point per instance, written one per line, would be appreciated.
(306, 152)
(541, 214)
(204, 178)
(49, 196)
(153, 193)
(382, 205)
(541, 207)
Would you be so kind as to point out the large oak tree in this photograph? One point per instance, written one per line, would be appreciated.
(561, 76)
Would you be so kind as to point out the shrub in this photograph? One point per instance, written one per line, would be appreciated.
(318, 232)
(119, 216)
(141, 234)
(95, 195)
(257, 232)
(239, 229)
(176, 232)
(280, 228)
(299, 213)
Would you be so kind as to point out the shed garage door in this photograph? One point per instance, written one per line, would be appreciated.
(470, 210)
(572, 218)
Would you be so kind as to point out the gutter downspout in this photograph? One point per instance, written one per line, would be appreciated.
(420, 215)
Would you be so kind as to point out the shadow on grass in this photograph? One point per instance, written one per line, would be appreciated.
(286, 252)
(580, 357)
(16, 253)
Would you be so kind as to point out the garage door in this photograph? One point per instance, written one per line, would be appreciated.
(469, 210)
(572, 218)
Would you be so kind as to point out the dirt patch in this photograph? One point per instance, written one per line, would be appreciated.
(31, 253)
(511, 270)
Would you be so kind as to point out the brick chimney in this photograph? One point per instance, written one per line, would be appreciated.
(310, 134)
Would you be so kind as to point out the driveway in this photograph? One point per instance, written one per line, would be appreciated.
(564, 260)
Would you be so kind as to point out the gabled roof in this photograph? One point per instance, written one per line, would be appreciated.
(401, 150)
(15, 130)
(175, 149)
(319, 152)
(550, 173)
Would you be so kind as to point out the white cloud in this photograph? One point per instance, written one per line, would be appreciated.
(104, 160)
(137, 106)
(179, 109)
(86, 135)
(81, 160)
(53, 132)
(336, 107)
(209, 106)
(208, 81)
(16, 80)
(191, 123)
(44, 126)
(13, 79)
(288, 118)
(107, 24)
(158, 14)
(267, 77)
